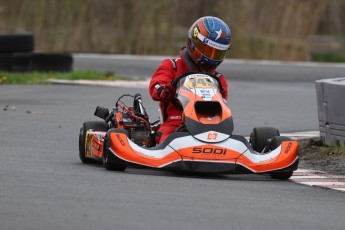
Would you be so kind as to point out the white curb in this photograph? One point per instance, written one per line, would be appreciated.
(319, 179)
(119, 83)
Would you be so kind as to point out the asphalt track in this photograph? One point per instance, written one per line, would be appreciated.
(43, 184)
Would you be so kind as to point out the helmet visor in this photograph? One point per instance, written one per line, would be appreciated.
(209, 48)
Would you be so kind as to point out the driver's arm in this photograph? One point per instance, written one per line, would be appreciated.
(163, 76)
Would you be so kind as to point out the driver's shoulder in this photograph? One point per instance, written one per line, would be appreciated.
(171, 62)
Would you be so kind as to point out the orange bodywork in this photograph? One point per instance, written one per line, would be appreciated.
(189, 110)
(286, 157)
(122, 149)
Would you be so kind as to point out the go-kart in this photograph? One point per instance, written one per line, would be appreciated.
(204, 142)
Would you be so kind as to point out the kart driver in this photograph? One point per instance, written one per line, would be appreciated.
(209, 39)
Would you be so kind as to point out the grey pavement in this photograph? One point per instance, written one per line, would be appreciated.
(244, 70)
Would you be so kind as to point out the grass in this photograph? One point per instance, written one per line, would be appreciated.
(334, 149)
(319, 147)
(42, 77)
(327, 57)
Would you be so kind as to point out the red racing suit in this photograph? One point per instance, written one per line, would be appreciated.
(166, 72)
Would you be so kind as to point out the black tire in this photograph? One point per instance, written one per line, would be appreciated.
(95, 125)
(5, 62)
(260, 136)
(110, 162)
(283, 175)
(10, 43)
(20, 61)
(47, 62)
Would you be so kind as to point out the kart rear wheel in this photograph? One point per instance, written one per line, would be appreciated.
(109, 161)
(276, 141)
(95, 125)
(260, 136)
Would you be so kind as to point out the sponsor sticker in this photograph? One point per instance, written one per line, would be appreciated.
(212, 136)
(200, 82)
(205, 96)
(205, 91)
(157, 86)
(212, 43)
(88, 144)
(288, 148)
(175, 117)
(118, 136)
(196, 32)
(99, 136)
(96, 146)
(205, 151)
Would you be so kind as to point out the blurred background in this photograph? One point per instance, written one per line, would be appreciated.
(292, 30)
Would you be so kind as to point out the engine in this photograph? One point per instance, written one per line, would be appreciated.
(138, 131)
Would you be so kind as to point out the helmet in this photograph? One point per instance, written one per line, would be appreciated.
(209, 39)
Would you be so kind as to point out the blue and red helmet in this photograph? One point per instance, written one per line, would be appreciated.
(209, 39)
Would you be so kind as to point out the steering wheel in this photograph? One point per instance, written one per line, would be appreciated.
(176, 80)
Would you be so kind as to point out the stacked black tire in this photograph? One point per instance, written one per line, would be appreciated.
(17, 54)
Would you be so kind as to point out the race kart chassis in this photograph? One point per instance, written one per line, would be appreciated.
(204, 143)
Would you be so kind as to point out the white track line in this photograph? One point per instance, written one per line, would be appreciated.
(119, 83)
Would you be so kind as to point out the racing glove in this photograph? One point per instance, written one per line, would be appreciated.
(167, 93)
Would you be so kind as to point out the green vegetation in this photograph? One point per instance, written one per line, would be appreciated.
(42, 77)
(256, 48)
(327, 57)
(334, 149)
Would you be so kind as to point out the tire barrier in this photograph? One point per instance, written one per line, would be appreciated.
(10, 43)
(17, 54)
(5, 61)
(20, 62)
(60, 62)
(331, 110)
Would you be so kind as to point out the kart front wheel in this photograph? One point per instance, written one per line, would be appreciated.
(110, 162)
(94, 125)
(275, 143)
(260, 137)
